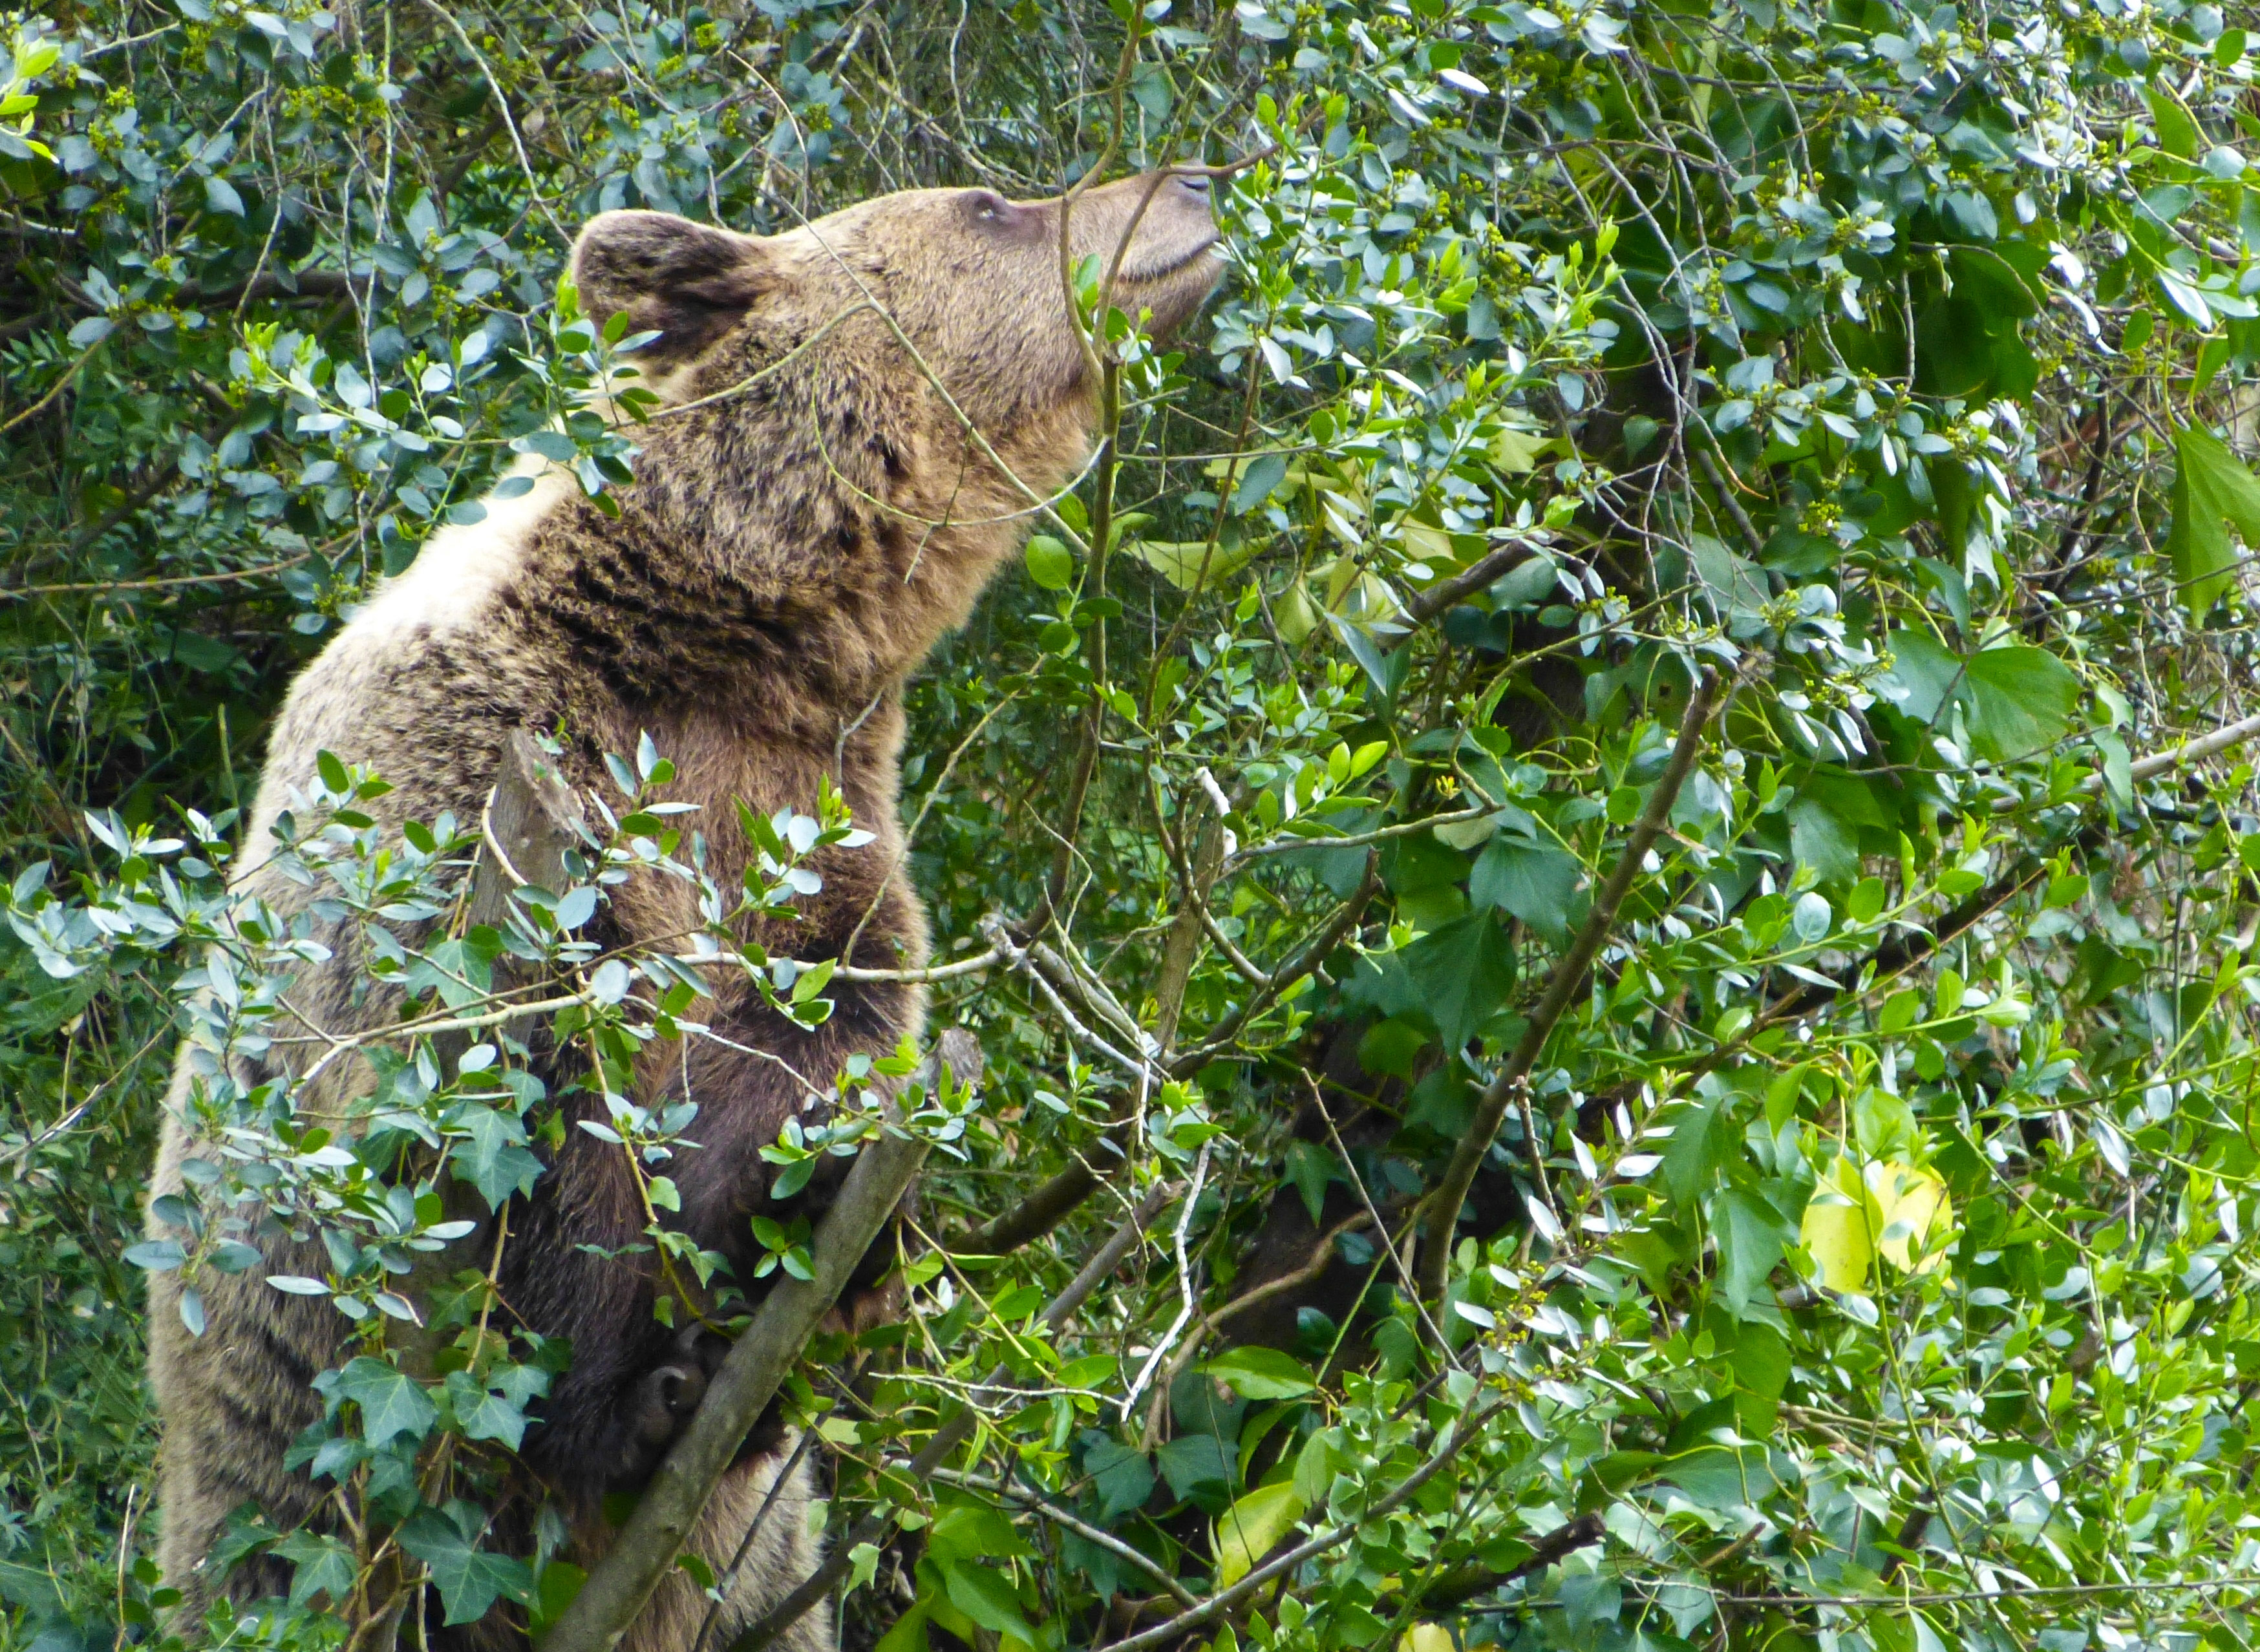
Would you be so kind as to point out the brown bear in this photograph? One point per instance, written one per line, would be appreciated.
(789, 551)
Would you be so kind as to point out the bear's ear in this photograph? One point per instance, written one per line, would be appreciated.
(689, 283)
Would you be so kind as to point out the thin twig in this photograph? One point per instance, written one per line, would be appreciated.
(951, 1433)
(1569, 976)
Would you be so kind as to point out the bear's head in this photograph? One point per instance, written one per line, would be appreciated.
(976, 283)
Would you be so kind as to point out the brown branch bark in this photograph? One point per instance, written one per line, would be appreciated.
(1568, 977)
(1465, 1583)
(1437, 598)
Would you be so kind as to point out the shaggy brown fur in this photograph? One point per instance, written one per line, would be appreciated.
(790, 552)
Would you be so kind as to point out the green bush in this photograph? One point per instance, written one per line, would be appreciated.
(1858, 1259)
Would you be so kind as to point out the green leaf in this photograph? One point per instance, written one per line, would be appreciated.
(1716, 1477)
(1463, 972)
(1248, 1531)
(392, 1402)
(482, 1415)
(1735, 586)
(1196, 1467)
(1760, 1361)
(1194, 564)
(1262, 479)
(2178, 134)
(325, 1567)
(2023, 702)
(468, 1578)
(492, 1156)
(2019, 700)
(1263, 1373)
(1050, 563)
(2212, 492)
(909, 1633)
(1698, 1145)
(1928, 671)
(1825, 822)
(559, 1585)
(988, 1597)
(1953, 350)
(1310, 1167)
(973, 1531)
(1536, 882)
(1752, 1237)
(1123, 1477)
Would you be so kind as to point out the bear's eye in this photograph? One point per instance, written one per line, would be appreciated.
(988, 207)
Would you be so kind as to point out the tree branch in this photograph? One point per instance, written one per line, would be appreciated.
(1465, 1583)
(1569, 975)
(1434, 600)
(1216, 1604)
(951, 1433)
(756, 1366)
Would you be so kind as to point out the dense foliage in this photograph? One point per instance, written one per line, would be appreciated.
(1863, 1264)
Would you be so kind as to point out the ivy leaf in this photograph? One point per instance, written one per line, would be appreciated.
(2212, 492)
(1928, 671)
(2023, 702)
(1123, 1479)
(391, 1401)
(1536, 882)
(1464, 972)
(2019, 701)
(325, 1567)
(493, 1156)
(468, 1578)
(483, 1415)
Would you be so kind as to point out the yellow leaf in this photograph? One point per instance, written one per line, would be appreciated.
(1835, 1234)
(1194, 562)
(1426, 1637)
(1890, 1209)
(1425, 544)
(1246, 1532)
(1908, 1207)
(1517, 451)
(1839, 1229)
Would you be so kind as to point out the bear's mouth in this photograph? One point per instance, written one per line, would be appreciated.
(1147, 272)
